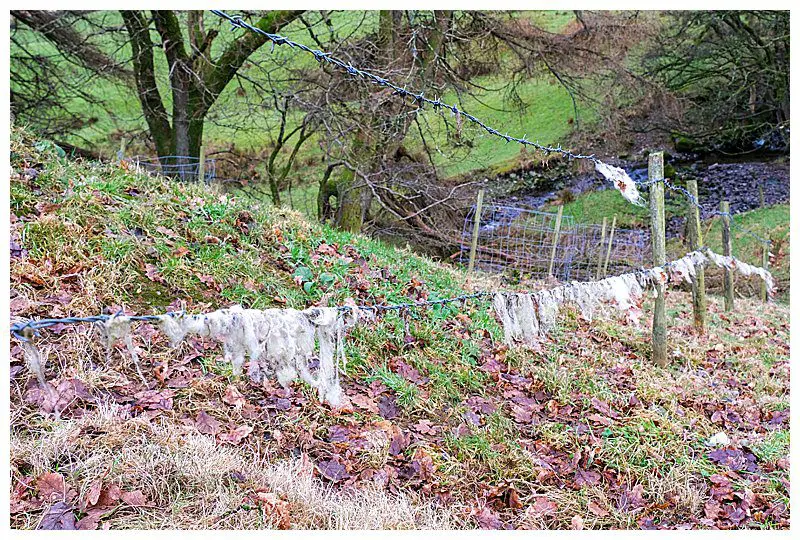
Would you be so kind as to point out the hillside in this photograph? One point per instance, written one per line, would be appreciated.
(444, 426)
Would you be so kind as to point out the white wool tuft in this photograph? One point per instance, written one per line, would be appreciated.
(734, 264)
(519, 318)
(33, 360)
(527, 317)
(622, 182)
(279, 342)
(119, 327)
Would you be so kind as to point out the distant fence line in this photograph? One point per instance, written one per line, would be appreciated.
(540, 244)
(185, 168)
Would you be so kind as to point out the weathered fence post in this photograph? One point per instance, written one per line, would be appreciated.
(727, 250)
(765, 265)
(761, 195)
(556, 233)
(655, 175)
(600, 250)
(695, 242)
(201, 165)
(475, 231)
(610, 242)
(121, 153)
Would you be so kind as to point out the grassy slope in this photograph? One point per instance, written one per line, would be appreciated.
(531, 439)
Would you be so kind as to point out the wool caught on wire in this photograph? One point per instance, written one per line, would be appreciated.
(528, 317)
(284, 343)
(621, 181)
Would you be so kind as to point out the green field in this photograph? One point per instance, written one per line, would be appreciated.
(545, 114)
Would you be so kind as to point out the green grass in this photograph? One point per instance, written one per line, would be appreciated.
(593, 206)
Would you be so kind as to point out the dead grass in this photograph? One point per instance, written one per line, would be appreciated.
(195, 483)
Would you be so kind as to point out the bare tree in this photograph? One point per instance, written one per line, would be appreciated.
(51, 78)
(196, 79)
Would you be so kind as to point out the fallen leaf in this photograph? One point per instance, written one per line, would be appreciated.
(153, 274)
(237, 434)
(109, 495)
(155, 400)
(207, 424)
(387, 407)
(364, 402)
(52, 487)
(58, 517)
(544, 506)
(93, 493)
(134, 498)
(586, 478)
(234, 397)
(333, 470)
(181, 252)
(487, 519)
(91, 520)
(597, 510)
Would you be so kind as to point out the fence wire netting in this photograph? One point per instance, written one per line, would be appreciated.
(184, 168)
(530, 243)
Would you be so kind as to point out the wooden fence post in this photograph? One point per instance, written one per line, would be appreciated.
(201, 165)
(695, 241)
(600, 250)
(475, 231)
(655, 175)
(556, 233)
(122, 145)
(727, 250)
(610, 242)
(761, 195)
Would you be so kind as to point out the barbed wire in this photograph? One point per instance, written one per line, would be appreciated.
(236, 21)
(23, 330)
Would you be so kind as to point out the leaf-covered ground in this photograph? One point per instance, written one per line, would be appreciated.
(443, 426)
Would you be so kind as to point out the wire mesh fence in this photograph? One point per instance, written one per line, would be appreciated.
(531, 243)
(599, 255)
(185, 168)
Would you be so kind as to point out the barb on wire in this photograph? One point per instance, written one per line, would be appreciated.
(237, 22)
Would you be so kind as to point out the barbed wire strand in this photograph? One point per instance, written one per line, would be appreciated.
(236, 21)
(712, 211)
(22, 330)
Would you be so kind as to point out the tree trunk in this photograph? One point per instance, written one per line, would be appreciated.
(196, 80)
(351, 202)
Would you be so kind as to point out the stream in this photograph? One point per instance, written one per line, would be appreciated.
(736, 181)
